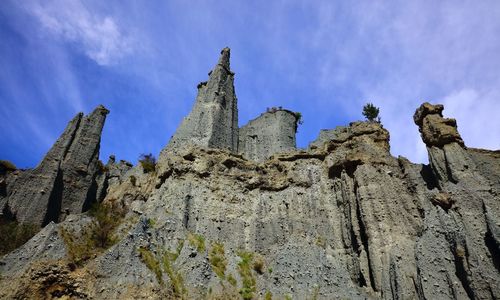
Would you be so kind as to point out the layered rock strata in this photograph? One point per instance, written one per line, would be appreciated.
(64, 181)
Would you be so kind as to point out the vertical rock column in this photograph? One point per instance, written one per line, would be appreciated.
(213, 121)
(460, 235)
(64, 179)
(79, 166)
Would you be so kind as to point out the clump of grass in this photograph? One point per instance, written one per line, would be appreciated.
(218, 260)
(320, 241)
(14, 234)
(197, 241)
(231, 280)
(149, 259)
(268, 296)
(165, 265)
(176, 279)
(148, 162)
(245, 270)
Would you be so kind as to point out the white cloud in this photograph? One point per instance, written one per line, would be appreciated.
(100, 36)
(477, 116)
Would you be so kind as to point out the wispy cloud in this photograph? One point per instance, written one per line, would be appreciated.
(100, 36)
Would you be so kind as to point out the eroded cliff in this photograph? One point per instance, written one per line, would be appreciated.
(343, 220)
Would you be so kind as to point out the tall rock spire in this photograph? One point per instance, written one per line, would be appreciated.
(213, 121)
(63, 182)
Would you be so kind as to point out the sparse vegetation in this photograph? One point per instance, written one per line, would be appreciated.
(148, 162)
(149, 259)
(106, 219)
(232, 280)
(298, 120)
(176, 279)
(95, 238)
(371, 112)
(268, 296)
(13, 235)
(245, 269)
(218, 260)
(176, 287)
(320, 241)
(197, 241)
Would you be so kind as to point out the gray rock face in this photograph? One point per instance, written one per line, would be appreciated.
(342, 220)
(213, 121)
(272, 132)
(64, 181)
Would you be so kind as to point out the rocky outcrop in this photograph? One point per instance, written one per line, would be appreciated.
(64, 181)
(467, 231)
(344, 219)
(272, 132)
(213, 121)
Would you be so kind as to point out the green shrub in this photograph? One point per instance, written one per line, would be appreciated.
(370, 112)
(148, 162)
(13, 235)
(106, 219)
(298, 120)
(218, 260)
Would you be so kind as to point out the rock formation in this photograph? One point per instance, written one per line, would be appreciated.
(64, 181)
(272, 132)
(213, 121)
(343, 219)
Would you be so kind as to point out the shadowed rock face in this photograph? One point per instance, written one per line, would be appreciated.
(63, 182)
(213, 121)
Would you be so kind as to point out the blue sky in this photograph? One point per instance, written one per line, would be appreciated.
(143, 60)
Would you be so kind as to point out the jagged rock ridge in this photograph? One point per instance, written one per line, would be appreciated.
(64, 181)
(341, 220)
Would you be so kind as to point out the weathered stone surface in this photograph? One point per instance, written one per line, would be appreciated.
(213, 121)
(343, 219)
(272, 132)
(79, 166)
(436, 130)
(64, 181)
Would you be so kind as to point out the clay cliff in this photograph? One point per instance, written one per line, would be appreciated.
(343, 219)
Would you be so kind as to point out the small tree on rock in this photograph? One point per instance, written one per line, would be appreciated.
(371, 112)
